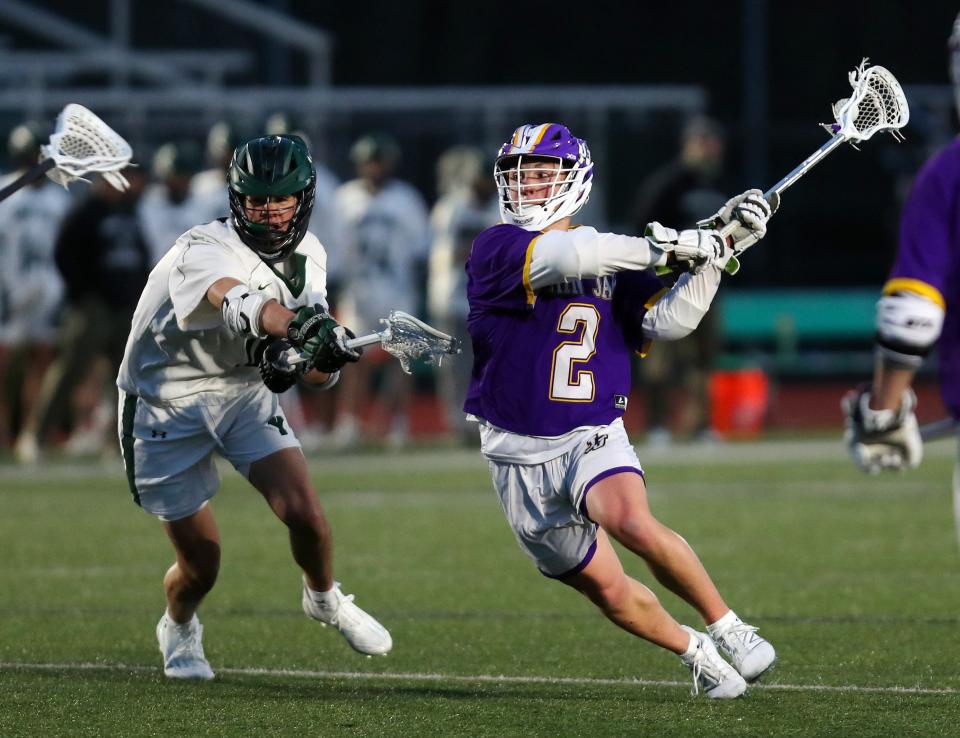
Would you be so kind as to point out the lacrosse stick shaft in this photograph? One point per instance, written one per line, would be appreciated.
(351, 343)
(939, 429)
(805, 166)
(360, 341)
(31, 175)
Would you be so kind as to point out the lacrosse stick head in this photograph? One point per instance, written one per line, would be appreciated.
(877, 103)
(83, 144)
(408, 339)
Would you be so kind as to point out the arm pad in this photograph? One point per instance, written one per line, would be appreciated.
(907, 327)
(681, 309)
(583, 253)
(241, 308)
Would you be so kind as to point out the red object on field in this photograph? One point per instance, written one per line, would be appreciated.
(738, 402)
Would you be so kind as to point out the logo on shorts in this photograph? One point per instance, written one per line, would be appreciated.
(620, 402)
(599, 440)
(277, 422)
(157, 434)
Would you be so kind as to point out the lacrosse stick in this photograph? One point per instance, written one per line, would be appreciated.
(877, 103)
(81, 144)
(405, 337)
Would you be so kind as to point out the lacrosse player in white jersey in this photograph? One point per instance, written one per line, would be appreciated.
(167, 209)
(467, 205)
(31, 284)
(232, 296)
(387, 243)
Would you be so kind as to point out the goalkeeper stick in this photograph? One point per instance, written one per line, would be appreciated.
(877, 103)
(81, 144)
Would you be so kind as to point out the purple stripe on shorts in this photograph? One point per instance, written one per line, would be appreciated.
(599, 478)
(579, 567)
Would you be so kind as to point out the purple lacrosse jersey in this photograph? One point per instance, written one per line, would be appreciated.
(546, 362)
(928, 258)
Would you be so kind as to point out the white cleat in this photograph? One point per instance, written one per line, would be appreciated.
(182, 649)
(26, 450)
(750, 654)
(712, 674)
(362, 631)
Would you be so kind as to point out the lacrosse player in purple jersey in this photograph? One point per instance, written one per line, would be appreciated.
(556, 313)
(917, 310)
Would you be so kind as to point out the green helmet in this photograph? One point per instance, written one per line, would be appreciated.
(272, 166)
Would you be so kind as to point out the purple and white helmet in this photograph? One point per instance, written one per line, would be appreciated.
(534, 191)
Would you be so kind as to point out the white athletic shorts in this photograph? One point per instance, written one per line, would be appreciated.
(168, 450)
(545, 503)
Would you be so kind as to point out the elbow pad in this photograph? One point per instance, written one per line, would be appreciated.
(241, 308)
(681, 309)
(908, 325)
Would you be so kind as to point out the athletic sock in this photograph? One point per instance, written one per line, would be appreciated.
(691, 649)
(324, 599)
(714, 629)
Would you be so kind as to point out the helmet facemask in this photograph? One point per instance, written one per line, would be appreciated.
(544, 174)
(263, 171)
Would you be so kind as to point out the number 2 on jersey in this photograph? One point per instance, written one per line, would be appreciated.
(567, 382)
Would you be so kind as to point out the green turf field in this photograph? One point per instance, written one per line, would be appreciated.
(855, 580)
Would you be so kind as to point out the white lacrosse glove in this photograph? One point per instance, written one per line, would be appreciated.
(751, 210)
(881, 439)
(699, 247)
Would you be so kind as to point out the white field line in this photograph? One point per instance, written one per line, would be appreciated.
(475, 678)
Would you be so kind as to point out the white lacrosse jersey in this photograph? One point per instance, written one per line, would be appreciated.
(31, 289)
(163, 221)
(178, 344)
(387, 238)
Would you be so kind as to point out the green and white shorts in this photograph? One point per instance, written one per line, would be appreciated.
(168, 449)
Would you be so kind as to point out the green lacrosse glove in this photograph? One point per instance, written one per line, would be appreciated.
(322, 339)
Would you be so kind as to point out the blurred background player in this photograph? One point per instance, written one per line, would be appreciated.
(31, 289)
(104, 260)
(466, 206)
(232, 295)
(679, 194)
(312, 413)
(167, 210)
(208, 187)
(388, 237)
(555, 316)
(919, 309)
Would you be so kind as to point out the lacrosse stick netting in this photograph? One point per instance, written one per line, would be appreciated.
(877, 103)
(83, 144)
(408, 338)
(405, 337)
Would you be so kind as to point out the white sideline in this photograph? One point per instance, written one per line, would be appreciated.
(461, 678)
